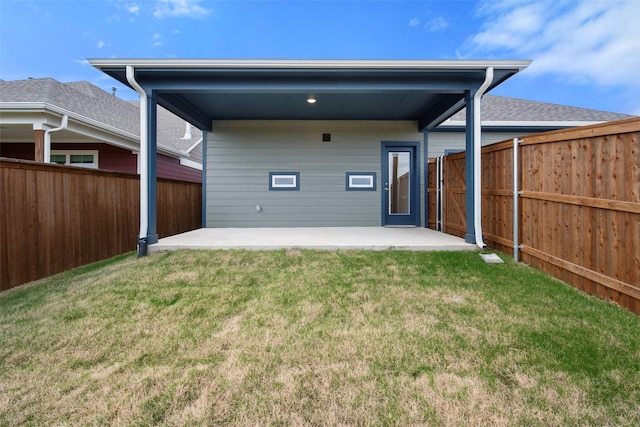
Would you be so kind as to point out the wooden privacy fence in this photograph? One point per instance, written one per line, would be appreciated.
(54, 218)
(579, 205)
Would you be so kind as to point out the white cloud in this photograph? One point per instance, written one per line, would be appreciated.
(102, 44)
(436, 24)
(157, 40)
(133, 8)
(82, 62)
(180, 9)
(585, 41)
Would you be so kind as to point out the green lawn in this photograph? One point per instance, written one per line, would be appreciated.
(314, 338)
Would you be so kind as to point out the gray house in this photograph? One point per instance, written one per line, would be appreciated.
(312, 142)
(332, 143)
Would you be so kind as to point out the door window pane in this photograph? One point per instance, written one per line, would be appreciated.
(399, 183)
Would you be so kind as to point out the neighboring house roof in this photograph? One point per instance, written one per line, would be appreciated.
(90, 102)
(172, 132)
(500, 111)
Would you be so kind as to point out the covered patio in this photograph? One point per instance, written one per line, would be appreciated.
(327, 238)
(376, 110)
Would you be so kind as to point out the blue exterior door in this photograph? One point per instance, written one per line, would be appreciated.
(400, 174)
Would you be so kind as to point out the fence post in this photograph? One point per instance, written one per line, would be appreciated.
(438, 160)
(441, 194)
(516, 193)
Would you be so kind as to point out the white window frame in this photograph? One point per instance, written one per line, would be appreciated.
(369, 186)
(69, 153)
(293, 186)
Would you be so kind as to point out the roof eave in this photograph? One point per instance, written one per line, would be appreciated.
(45, 107)
(523, 123)
(101, 63)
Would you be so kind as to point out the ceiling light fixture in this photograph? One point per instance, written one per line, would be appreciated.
(311, 99)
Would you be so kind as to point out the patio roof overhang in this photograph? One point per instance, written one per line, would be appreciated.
(203, 90)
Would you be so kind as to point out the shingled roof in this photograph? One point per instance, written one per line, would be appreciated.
(504, 109)
(89, 101)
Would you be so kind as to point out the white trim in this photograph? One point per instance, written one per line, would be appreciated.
(191, 164)
(369, 177)
(69, 153)
(194, 145)
(21, 106)
(522, 123)
(80, 120)
(309, 64)
(47, 137)
(143, 157)
(137, 153)
(187, 131)
(477, 157)
(275, 177)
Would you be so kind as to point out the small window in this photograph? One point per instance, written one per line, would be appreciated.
(83, 159)
(284, 181)
(361, 181)
(59, 159)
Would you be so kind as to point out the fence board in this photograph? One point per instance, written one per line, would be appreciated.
(454, 195)
(431, 194)
(54, 218)
(579, 210)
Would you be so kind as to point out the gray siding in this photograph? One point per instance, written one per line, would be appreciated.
(241, 154)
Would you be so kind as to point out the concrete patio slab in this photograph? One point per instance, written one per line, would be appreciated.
(328, 238)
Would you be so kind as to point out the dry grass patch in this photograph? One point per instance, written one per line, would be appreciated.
(314, 338)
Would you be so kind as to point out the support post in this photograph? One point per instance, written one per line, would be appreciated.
(204, 178)
(426, 178)
(470, 234)
(152, 128)
(38, 154)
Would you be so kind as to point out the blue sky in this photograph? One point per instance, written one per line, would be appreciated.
(585, 53)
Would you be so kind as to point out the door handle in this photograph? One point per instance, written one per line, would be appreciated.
(386, 186)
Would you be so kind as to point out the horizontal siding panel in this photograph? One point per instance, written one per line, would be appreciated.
(268, 210)
(306, 183)
(239, 162)
(171, 168)
(358, 221)
(307, 190)
(318, 169)
(300, 206)
(328, 196)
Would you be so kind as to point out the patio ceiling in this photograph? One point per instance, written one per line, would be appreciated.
(202, 91)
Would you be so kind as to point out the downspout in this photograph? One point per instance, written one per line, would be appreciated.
(144, 171)
(47, 137)
(477, 164)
